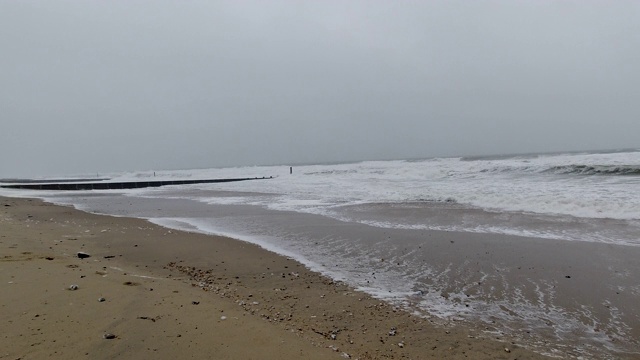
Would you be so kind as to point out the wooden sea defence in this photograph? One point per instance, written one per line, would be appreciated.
(120, 185)
(44, 181)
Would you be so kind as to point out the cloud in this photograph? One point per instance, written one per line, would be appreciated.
(102, 86)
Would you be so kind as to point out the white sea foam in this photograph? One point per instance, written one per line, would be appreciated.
(515, 184)
(560, 186)
(583, 186)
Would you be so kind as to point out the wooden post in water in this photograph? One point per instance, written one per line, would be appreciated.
(290, 169)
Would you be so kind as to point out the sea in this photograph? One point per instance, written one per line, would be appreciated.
(489, 241)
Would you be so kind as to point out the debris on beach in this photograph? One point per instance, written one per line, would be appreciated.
(195, 302)
(83, 255)
(393, 331)
(73, 287)
(101, 299)
(146, 318)
(109, 336)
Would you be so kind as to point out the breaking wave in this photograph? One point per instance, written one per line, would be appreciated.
(623, 170)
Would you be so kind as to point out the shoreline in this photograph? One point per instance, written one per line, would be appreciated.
(269, 296)
(569, 298)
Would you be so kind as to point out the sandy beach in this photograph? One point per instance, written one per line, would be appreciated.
(171, 294)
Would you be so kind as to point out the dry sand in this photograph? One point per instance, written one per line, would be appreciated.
(177, 295)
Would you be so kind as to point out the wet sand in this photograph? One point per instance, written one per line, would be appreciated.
(171, 294)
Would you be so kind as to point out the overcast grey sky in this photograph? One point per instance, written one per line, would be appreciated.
(97, 86)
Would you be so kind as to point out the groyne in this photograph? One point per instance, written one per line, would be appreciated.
(119, 185)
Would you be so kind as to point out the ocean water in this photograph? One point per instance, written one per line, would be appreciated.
(562, 194)
(409, 232)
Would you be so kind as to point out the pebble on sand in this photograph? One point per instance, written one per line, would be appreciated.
(83, 255)
(101, 299)
(109, 336)
(73, 287)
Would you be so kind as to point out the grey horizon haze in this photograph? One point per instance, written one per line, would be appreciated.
(100, 86)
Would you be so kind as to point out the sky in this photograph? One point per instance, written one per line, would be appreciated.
(100, 86)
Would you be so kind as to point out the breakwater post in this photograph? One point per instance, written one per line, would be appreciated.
(120, 185)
